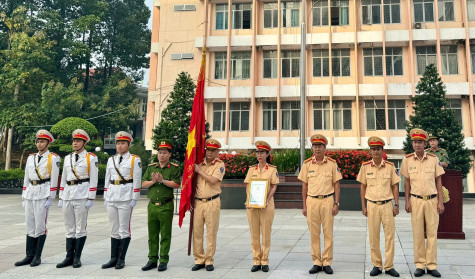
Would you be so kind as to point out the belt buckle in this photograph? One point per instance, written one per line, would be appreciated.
(73, 182)
(425, 198)
(203, 200)
(379, 203)
(320, 197)
(34, 183)
(116, 182)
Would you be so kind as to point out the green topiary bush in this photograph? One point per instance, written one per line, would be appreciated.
(12, 174)
(63, 130)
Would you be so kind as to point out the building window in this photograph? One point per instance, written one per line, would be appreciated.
(270, 64)
(320, 13)
(321, 115)
(290, 14)
(394, 61)
(271, 15)
(392, 11)
(471, 9)
(446, 10)
(220, 65)
(341, 62)
(396, 114)
(240, 65)
(239, 113)
(371, 11)
(426, 55)
(269, 116)
(375, 115)
(456, 106)
(242, 16)
(373, 61)
(219, 116)
(290, 115)
(290, 63)
(342, 115)
(221, 16)
(472, 57)
(449, 57)
(184, 8)
(340, 12)
(321, 63)
(423, 10)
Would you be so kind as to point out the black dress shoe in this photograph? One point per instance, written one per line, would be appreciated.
(162, 267)
(375, 271)
(392, 272)
(149, 266)
(210, 267)
(255, 268)
(315, 269)
(265, 268)
(434, 273)
(419, 272)
(197, 267)
(328, 269)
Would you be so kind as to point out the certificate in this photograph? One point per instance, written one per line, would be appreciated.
(258, 189)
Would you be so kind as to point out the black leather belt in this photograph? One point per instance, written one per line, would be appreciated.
(426, 198)
(208, 199)
(162, 202)
(76, 182)
(322, 196)
(380, 202)
(118, 182)
(39, 182)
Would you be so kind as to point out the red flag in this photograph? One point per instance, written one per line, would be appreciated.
(195, 148)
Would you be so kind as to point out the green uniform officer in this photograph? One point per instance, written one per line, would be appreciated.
(439, 152)
(160, 178)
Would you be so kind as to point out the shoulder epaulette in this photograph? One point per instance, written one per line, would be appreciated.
(331, 159)
(218, 160)
(253, 166)
(173, 164)
(272, 166)
(153, 164)
(366, 163)
(427, 149)
(430, 154)
(307, 160)
(136, 156)
(443, 149)
(54, 154)
(92, 154)
(409, 155)
(389, 163)
(32, 154)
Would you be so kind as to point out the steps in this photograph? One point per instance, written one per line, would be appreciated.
(288, 195)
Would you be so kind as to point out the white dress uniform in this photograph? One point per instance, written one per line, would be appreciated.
(118, 192)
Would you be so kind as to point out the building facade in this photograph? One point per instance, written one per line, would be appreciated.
(364, 59)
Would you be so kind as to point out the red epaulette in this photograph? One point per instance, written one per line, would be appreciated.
(309, 159)
(331, 159)
(430, 154)
(92, 154)
(136, 156)
(54, 154)
(388, 162)
(409, 155)
(366, 163)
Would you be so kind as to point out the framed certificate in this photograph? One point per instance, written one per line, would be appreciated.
(258, 189)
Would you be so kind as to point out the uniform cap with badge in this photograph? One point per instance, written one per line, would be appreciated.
(212, 144)
(165, 144)
(318, 139)
(419, 134)
(123, 136)
(375, 141)
(81, 134)
(43, 134)
(432, 136)
(262, 145)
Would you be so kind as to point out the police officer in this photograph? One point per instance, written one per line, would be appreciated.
(39, 190)
(161, 178)
(210, 173)
(439, 152)
(321, 194)
(121, 192)
(260, 219)
(77, 193)
(424, 200)
(379, 186)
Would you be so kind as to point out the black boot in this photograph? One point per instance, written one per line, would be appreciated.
(114, 253)
(40, 243)
(78, 251)
(70, 245)
(124, 245)
(30, 251)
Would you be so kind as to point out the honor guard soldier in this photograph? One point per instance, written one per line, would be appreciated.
(39, 190)
(207, 207)
(439, 152)
(161, 178)
(121, 192)
(424, 200)
(321, 194)
(379, 186)
(77, 193)
(260, 219)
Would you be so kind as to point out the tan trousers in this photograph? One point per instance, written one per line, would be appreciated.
(425, 255)
(260, 223)
(205, 213)
(377, 215)
(319, 215)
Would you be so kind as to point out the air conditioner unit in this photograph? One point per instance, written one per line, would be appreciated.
(417, 25)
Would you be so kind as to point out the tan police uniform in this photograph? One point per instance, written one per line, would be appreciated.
(260, 219)
(379, 180)
(207, 208)
(320, 177)
(422, 173)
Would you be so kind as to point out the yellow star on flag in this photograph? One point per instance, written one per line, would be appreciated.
(191, 143)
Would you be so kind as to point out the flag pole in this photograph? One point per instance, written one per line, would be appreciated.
(192, 213)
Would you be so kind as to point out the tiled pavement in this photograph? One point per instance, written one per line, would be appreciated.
(289, 257)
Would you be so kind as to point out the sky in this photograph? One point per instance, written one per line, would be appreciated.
(149, 4)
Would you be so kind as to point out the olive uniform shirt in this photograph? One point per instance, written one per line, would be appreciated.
(440, 153)
(158, 191)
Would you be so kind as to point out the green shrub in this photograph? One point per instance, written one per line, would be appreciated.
(102, 171)
(12, 174)
(237, 165)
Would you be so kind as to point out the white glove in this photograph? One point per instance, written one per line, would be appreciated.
(23, 203)
(105, 204)
(89, 203)
(60, 203)
(133, 203)
(48, 203)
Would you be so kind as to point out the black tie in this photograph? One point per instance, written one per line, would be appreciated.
(120, 160)
(77, 157)
(39, 158)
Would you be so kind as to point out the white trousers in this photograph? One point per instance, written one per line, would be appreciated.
(75, 218)
(36, 215)
(120, 214)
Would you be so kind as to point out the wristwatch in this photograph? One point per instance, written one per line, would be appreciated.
(163, 181)
(396, 205)
(337, 204)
